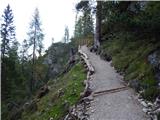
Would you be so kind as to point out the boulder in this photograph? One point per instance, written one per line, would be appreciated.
(43, 91)
(60, 92)
(31, 106)
(145, 110)
(144, 104)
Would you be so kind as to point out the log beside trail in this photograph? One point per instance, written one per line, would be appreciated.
(78, 111)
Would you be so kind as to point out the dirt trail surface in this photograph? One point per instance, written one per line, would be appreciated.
(121, 105)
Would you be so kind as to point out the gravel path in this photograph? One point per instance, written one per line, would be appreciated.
(121, 105)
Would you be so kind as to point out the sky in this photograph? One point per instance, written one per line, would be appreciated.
(54, 15)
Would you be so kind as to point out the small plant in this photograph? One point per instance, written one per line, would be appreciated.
(151, 93)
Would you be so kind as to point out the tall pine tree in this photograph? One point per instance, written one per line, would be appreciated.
(78, 31)
(9, 46)
(24, 54)
(36, 37)
(84, 24)
(7, 31)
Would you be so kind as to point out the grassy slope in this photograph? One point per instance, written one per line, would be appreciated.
(129, 55)
(53, 106)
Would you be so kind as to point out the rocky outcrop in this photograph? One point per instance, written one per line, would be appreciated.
(154, 60)
(56, 58)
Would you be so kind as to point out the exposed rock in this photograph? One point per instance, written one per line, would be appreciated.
(26, 105)
(144, 104)
(30, 107)
(152, 109)
(150, 104)
(51, 118)
(49, 87)
(43, 91)
(92, 111)
(146, 110)
(56, 57)
(154, 59)
(140, 100)
(60, 92)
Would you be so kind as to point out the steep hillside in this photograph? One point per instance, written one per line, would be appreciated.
(130, 56)
(63, 93)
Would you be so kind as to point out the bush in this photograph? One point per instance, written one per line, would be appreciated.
(151, 93)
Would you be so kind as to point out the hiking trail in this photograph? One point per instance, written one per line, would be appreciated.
(113, 100)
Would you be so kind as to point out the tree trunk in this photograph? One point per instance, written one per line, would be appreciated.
(32, 82)
(97, 38)
(33, 67)
(3, 71)
(3, 78)
(72, 57)
(4, 47)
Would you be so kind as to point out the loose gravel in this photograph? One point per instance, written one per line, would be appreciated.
(121, 105)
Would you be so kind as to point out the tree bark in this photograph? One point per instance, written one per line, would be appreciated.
(33, 63)
(97, 38)
(3, 78)
(72, 57)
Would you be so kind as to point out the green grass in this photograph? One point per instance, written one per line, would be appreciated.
(129, 55)
(54, 106)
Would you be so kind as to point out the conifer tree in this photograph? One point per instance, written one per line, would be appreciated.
(9, 56)
(66, 35)
(36, 37)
